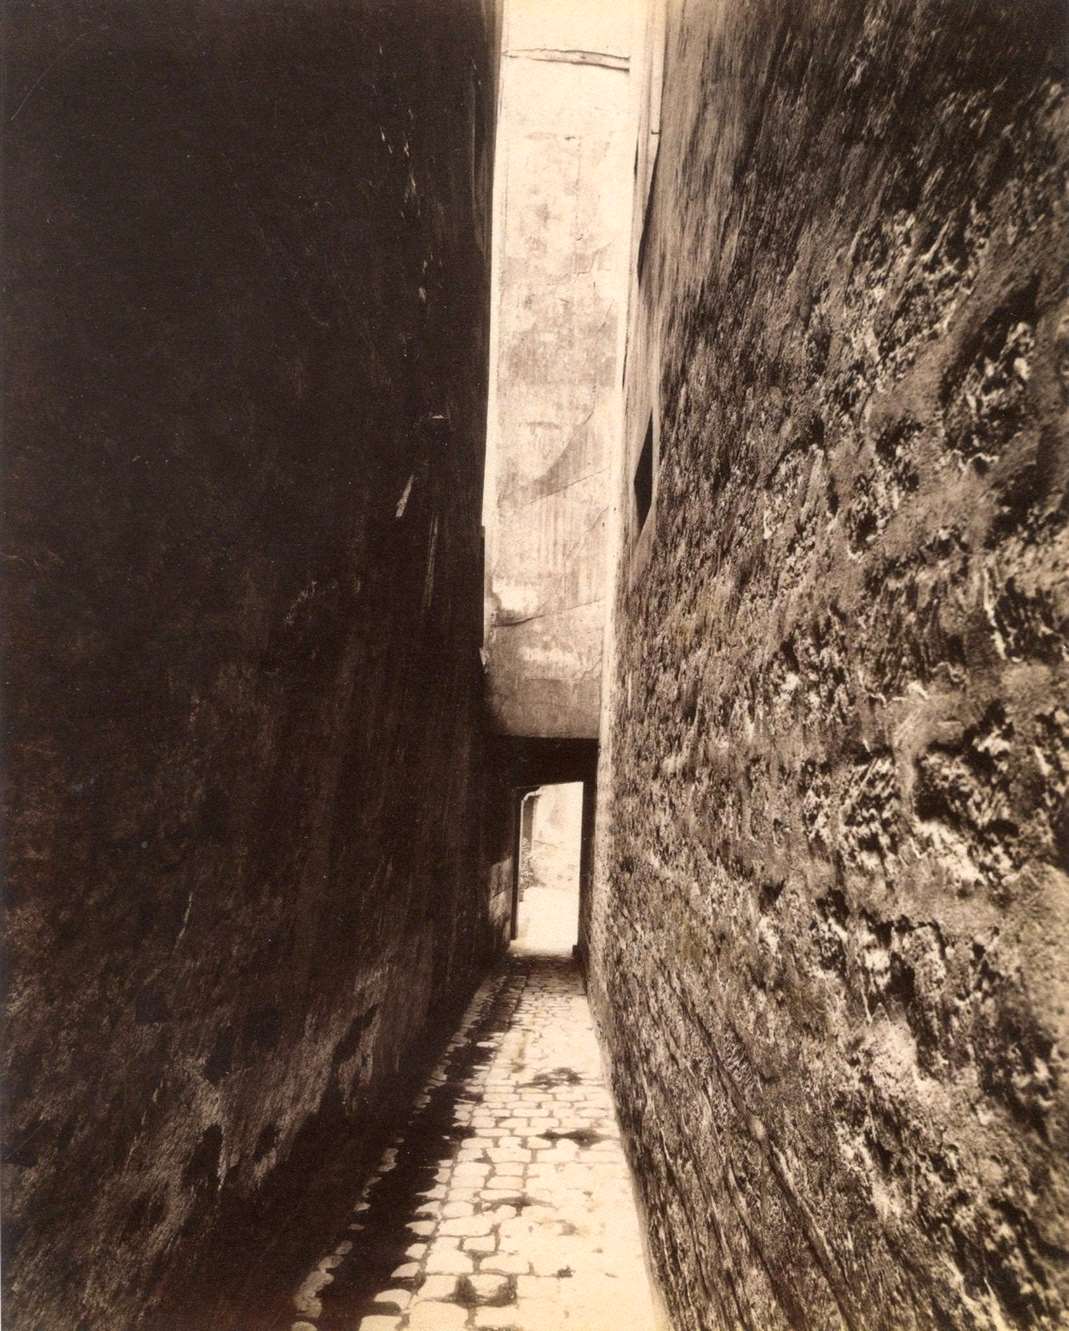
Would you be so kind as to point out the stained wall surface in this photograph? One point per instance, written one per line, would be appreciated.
(556, 832)
(563, 209)
(828, 942)
(248, 254)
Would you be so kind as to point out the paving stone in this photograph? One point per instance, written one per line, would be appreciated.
(466, 1226)
(481, 1244)
(437, 1317)
(446, 1259)
(452, 1209)
(402, 1297)
(471, 1170)
(506, 1263)
(438, 1287)
(490, 1288)
(503, 1155)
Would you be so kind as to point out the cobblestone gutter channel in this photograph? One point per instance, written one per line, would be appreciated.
(505, 1201)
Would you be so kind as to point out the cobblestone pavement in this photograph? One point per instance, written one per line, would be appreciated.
(506, 1201)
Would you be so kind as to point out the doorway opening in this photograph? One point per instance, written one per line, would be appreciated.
(550, 865)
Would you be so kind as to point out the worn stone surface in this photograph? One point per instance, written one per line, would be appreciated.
(562, 214)
(509, 1175)
(556, 828)
(828, 944)
(248, 253)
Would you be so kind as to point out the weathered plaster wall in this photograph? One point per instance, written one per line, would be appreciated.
(555, 838)
(248, 251)
(830, 948)
(563, 213)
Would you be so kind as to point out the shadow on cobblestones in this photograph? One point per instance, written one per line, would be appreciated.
(505, 1200)
(376, 1250)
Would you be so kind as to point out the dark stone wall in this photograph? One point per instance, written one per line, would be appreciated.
(830, 949)
(247, 287)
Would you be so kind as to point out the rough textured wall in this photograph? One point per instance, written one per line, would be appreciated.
(248, 291)
(831, 952)
(562, 226)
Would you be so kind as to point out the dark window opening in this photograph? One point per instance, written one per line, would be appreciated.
(644, 478)
(647, 213)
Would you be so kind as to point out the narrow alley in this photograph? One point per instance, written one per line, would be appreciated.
(506, 1200)
(535, 665)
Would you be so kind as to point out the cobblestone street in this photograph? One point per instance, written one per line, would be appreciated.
(506, 1202)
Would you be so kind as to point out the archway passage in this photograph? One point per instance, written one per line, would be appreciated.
(526, 766)
(550, 859)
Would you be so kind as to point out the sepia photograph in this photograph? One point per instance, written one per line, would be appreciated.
(535, 665)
